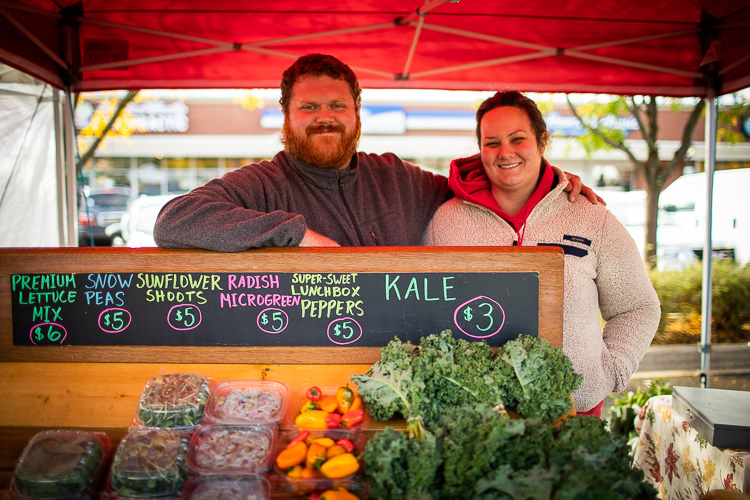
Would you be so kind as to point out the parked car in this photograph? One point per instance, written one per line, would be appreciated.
(685, 202)
(100, 207)
(672, 250)
(136, 227)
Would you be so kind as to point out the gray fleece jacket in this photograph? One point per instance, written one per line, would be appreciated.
(378, 200)
(603, 274)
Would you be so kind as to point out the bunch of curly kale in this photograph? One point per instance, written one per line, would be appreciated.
(476, 453)
(421, 383)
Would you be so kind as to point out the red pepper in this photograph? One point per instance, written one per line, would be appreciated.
(347, 444)
(314, 393)
(300, 437)
(333, 420)
(353, 418)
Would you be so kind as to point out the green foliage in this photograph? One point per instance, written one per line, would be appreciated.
(476, 453)
(622, 413)
(444, 373)
(536, 379)
(680, 292)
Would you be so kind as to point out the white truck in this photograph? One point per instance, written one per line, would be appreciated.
(683, 204)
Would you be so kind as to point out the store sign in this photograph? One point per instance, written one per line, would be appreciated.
(148, 117)
(270, 309)
(569, 126)
(152, 117)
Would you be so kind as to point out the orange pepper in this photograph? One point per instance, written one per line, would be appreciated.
(356, 404)
(290, 457)
(310, 473)
(338, 495)
(340, 466)
(316, 453)
(313, 419)
(328, 403)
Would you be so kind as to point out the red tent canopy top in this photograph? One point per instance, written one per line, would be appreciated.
(669, 47)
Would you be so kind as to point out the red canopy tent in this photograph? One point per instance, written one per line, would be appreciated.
(607, 46)
(679, 48)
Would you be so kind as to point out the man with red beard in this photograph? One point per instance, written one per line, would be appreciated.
(319, 191)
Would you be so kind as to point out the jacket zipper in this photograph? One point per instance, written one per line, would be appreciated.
(351, 215)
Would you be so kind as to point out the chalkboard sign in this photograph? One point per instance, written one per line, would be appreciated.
(270, 309)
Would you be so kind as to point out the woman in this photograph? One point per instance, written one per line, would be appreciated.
(509, 194)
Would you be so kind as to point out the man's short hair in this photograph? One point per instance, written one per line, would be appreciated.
(316, 65)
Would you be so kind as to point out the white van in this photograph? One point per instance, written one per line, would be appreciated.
(683, 203)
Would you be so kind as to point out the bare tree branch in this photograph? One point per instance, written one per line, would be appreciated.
(120, 107)
(615, 144)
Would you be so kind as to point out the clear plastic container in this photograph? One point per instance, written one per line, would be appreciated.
(61, 464)
(299, 404)
(308, 475)
(173, 400)
(232, 448)
(150, 462)
(228, 487)
(247, 401)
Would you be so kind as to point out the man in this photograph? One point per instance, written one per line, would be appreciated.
(319, 191)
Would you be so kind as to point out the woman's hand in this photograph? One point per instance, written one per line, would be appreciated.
(576, 187)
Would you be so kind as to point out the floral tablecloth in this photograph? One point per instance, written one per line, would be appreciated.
(678, 461)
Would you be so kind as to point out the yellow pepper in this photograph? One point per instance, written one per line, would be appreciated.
(344, 398)
(313, 419)
(295, 472)
(328, 403)
(338, 495)
(316, 453)
(340, 466)
(335, 450)
(309, 405)
(290, 457)
(326, 442)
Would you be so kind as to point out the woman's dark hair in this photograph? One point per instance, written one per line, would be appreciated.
(514, 98)
(316, 65)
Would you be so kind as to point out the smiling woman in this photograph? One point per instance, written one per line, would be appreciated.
(510, 195)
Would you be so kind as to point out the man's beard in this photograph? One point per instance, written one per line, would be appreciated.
(322, 151)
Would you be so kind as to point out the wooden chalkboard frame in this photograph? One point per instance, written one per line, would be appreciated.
(547, 261)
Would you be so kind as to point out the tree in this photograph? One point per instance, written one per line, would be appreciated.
(108, 119)
(654, 171)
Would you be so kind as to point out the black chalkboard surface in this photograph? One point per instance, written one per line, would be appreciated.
(270, 309)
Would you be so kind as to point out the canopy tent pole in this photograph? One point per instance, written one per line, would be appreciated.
(70, 171)
(62, 204)
(712, 111)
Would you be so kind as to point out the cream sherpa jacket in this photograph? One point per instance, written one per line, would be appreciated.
(603, 273)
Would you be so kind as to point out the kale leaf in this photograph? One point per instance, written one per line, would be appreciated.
(536, 378)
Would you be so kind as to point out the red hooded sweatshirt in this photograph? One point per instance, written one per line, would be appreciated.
(469, 182)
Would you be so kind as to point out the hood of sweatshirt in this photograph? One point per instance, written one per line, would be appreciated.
(469, 182)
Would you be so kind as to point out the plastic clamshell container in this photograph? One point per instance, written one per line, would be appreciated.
(150, 462)
(299, 400)
(173, 400)
(228, 487)
(334, 435)
(61, 463)
(284, 488)
(247, 401)
(232, 448)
